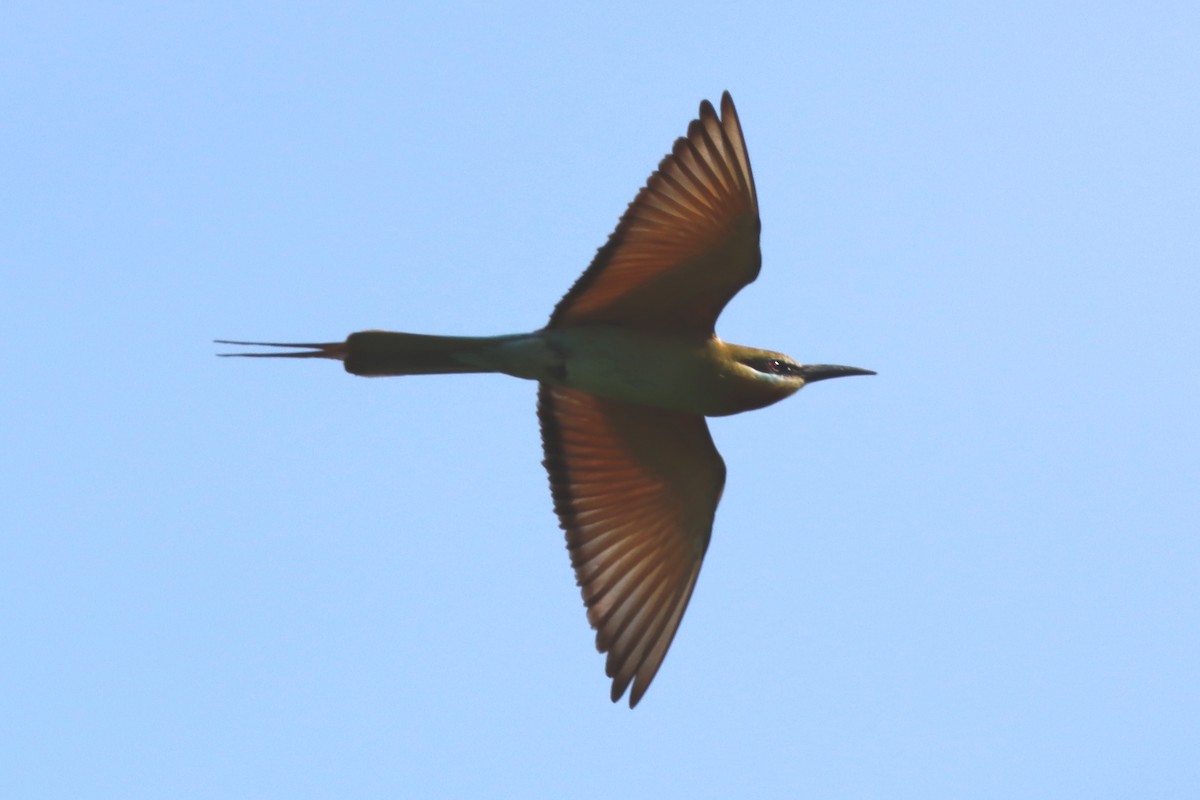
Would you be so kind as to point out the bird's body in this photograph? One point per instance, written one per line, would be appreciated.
(628, 368)
(700, 376)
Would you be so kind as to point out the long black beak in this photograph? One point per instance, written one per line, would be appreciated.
(820, 372)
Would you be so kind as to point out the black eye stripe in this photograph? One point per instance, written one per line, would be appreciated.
(772, 366)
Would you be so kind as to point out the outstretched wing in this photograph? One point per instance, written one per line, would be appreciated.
(686, 244)
(635, 489)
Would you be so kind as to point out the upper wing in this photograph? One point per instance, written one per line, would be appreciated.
(686, 244)
(635, 489)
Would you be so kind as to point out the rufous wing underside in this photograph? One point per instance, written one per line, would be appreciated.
(687, 243)
(635, 489)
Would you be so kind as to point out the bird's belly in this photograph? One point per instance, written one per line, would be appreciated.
(638, 368)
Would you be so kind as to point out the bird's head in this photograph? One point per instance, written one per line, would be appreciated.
(766, 377)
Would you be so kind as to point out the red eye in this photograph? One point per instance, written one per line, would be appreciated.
(771, 366)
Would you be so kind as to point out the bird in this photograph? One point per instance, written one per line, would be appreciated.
(628, 367)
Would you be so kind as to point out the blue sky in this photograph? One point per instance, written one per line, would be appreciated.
(972, 576)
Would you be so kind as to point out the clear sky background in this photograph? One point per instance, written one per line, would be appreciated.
(976, 575)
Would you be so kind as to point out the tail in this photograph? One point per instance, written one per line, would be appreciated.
(378, 353)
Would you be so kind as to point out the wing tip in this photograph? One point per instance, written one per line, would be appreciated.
(727, 106)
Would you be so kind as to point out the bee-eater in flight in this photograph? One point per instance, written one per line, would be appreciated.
(627, 368)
